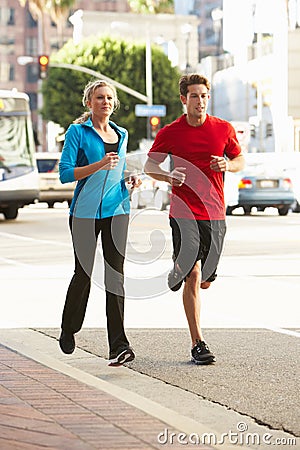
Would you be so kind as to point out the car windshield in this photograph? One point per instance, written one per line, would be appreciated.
(47, 165)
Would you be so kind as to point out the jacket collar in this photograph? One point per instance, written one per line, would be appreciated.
(89, 123)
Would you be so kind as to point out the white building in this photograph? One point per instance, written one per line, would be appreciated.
(263, 84)
(177, 34)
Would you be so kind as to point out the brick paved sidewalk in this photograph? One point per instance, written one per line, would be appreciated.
(41, 408)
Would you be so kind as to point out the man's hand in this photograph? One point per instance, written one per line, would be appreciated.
(177, 176)
(219, 164)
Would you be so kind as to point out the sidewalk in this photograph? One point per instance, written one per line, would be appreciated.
(46, 408)
(43, 408)
(53, 401)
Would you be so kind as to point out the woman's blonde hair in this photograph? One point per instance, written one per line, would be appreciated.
(88, 93)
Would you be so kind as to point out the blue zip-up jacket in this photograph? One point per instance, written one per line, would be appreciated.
(102, 194)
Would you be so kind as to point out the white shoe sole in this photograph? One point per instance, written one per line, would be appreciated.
(125, 356)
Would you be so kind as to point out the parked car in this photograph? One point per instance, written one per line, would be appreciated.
(151, 193)
(263, 191)
(51, 189)
(265, 183)
(292, 170)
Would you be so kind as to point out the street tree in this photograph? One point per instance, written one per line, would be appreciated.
(121, 61)
(151, 6)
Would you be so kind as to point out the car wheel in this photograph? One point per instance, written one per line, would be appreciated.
(283, 210)
(10, 213)
(247, 210)
(229, 210)
(296, 208)
(50, 204)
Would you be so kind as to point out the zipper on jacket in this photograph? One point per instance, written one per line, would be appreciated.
(107, 173)
(101, 201)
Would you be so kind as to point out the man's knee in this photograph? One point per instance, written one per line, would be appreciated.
(194, 277)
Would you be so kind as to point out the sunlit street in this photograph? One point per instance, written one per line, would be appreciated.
(258, 271)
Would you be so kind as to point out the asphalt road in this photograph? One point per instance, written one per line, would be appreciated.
(251, 317)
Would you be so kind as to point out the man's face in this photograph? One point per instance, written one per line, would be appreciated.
(196, 100)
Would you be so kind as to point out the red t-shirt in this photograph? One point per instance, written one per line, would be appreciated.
(201, 197)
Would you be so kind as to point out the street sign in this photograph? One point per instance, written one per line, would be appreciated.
(23, 60)
(150, 110)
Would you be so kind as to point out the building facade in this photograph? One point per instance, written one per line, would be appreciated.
(19, 36)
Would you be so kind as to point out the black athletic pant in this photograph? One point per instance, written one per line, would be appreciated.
(113, 237)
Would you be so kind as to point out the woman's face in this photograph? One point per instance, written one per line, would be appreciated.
(102, 101)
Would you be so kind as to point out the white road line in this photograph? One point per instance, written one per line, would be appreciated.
(284, 331)
(14, 262)
(29, 239)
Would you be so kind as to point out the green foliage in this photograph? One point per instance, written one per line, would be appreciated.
(151, 6)
(121, 61)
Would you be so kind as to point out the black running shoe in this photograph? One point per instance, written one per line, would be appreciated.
(67, 342)
(201, 353)
(122, 356)
(175, 278)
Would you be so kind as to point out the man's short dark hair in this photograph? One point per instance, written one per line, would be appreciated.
(193, 78)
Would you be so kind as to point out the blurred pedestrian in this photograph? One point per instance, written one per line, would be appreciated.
(94, 155)
(202, 148)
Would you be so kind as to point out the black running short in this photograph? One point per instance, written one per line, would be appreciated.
(198, 240)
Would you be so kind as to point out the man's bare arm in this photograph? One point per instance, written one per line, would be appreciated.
(221, 164)
(175, 178)
(236, 164)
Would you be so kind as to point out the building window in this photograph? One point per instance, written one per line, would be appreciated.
(31, 23)
(54, 46)
(7, 45)
(7, 16)
(11, 16)
(31, 73)
(11, 72)
(31, 47)
(7, 72)
(33, 100)
(210, 36)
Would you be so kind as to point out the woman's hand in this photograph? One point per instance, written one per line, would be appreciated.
(134, 181)
(110, 161)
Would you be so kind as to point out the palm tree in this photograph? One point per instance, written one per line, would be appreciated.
(58, 11)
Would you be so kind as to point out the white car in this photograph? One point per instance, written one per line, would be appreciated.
(51, 189)
(151, 193)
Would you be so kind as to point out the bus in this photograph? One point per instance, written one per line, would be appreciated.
(19, 183)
